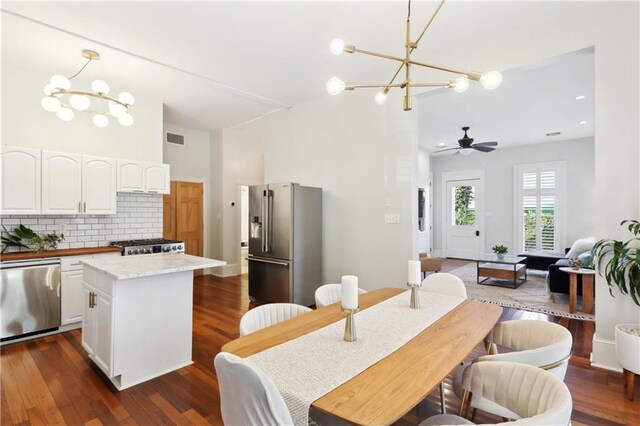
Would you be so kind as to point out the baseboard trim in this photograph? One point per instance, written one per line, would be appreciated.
(226, 271)
(604, 354)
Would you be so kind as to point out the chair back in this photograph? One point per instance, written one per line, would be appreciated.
(329, 294)
(266, 315)
(535, 395)
(445, 283)
(248, 397)
(539, 343)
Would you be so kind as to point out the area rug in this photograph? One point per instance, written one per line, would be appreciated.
(533, 295)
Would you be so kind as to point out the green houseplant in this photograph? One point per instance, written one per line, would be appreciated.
(500, 250)
(23, 237)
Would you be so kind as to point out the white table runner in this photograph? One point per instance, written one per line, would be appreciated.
(312, 365)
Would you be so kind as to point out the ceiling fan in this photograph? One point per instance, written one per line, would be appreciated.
(467, 146)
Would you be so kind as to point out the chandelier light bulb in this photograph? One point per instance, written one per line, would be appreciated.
(461, 84)
(50, 104)
(80, 102)
(100, 86)
(466, 151)
(491, 80)
(381, 98)
(126, 120)
(65, 114)
(336, 46)
(101, 120)
(48, 89)
(126, 98)
(60, 82)
(335, 86)
(116, 109)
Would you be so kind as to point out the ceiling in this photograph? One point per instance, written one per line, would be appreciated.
(531, 101)
(219, 64)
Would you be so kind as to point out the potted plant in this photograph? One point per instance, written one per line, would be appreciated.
(500, 251)
(619, 263)
(23, 237)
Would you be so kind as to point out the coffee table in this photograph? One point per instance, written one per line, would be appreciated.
(508, 271)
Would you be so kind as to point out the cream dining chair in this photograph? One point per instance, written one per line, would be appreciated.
(329, 294)
(535, 396)
(248, 397)
(541, 344)
(451, 285)
(269, 314)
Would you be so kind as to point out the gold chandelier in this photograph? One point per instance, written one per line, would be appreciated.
(489, 80)
(62, 100)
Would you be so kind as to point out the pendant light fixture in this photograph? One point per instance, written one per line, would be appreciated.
(489, 80)
(64, 101)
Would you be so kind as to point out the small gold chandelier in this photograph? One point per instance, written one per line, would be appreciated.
(63, 101)
(489, 80)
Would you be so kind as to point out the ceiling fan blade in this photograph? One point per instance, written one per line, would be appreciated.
(486, 144)
(443, 150)
(482, 148)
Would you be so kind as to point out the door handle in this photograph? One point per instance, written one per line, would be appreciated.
(274, 262)
(264, 222)
(477, 233)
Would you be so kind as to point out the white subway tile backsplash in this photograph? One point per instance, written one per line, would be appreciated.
(138, 216)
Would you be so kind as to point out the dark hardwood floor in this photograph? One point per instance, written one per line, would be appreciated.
(51, 381)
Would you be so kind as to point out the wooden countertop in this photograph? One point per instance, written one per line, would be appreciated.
(25, 255)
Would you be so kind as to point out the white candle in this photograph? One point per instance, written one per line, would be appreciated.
(349, 292)
(414, 272)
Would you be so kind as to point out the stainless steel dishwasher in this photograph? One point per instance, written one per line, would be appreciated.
(29, 297)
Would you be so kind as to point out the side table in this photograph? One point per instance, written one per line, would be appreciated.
(587, 288)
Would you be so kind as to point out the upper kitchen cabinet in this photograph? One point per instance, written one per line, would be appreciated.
(61, 183)
(99, 185)
(140, 176)
(20, 180)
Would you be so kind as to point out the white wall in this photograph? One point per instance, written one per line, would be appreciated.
(498, 194)
(362, 155)
(25, 123)
(423, 182)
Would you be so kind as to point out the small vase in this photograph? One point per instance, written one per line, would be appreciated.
(500, 256)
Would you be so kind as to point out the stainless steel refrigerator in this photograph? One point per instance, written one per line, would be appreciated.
(285, 243)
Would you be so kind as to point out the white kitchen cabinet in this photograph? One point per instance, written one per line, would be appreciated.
(61, 183)
(21, 182)
(97, 320)
(143, 177)
(99, 192)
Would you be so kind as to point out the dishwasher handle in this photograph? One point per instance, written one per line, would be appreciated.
(30, 263)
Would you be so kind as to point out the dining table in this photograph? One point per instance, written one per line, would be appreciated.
(393, 386)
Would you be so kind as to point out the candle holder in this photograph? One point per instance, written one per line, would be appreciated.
(350, 325)
(415, 296)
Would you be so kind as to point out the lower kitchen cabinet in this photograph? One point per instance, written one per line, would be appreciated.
(71, 297)
(97, 331)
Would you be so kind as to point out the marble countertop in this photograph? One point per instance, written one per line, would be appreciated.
(126, 267)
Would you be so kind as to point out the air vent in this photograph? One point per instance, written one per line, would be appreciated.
(554, 134)
(175, 139)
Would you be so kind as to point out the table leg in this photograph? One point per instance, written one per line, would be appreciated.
(587, 294)
(629, 377)
(573, 292)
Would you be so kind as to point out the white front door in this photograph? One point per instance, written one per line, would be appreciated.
(464, 217)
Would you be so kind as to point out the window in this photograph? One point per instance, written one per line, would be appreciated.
(463, 208)
(538, 194)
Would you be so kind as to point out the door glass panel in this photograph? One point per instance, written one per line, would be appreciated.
(529, 211)
(463, 205)
(547, 218)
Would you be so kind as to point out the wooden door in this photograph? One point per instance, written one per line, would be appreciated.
(169, 213)
(189, 217)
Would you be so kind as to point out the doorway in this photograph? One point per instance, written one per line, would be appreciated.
(183, 216)
(463, 211)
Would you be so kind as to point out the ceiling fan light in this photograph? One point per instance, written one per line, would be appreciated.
(335, 86)
(50, 104)
(336, 46)
(491, 80)
(101, 120)
(100, 86)
(381, 98)
(466, 151)
(461, 84)
(65, 114)
(80, 102)
(60, 82)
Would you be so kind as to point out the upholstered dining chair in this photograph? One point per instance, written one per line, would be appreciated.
(541, 344)
(329, 294)
(444, 283)
(248, 397)
(269, 314)
(535, 396)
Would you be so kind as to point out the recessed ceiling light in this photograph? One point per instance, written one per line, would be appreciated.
(579, 97)
(583, 122)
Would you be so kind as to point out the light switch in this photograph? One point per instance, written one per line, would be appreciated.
(392, 218)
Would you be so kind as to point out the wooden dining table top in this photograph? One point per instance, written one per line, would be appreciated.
(390, 388)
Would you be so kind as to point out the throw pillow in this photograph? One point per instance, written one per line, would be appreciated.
(580, 246)
(586, 258)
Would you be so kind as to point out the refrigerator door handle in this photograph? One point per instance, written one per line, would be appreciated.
(274, 262)
(269, 222)
(264, 222)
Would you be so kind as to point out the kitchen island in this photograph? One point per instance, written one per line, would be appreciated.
(138, 314)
